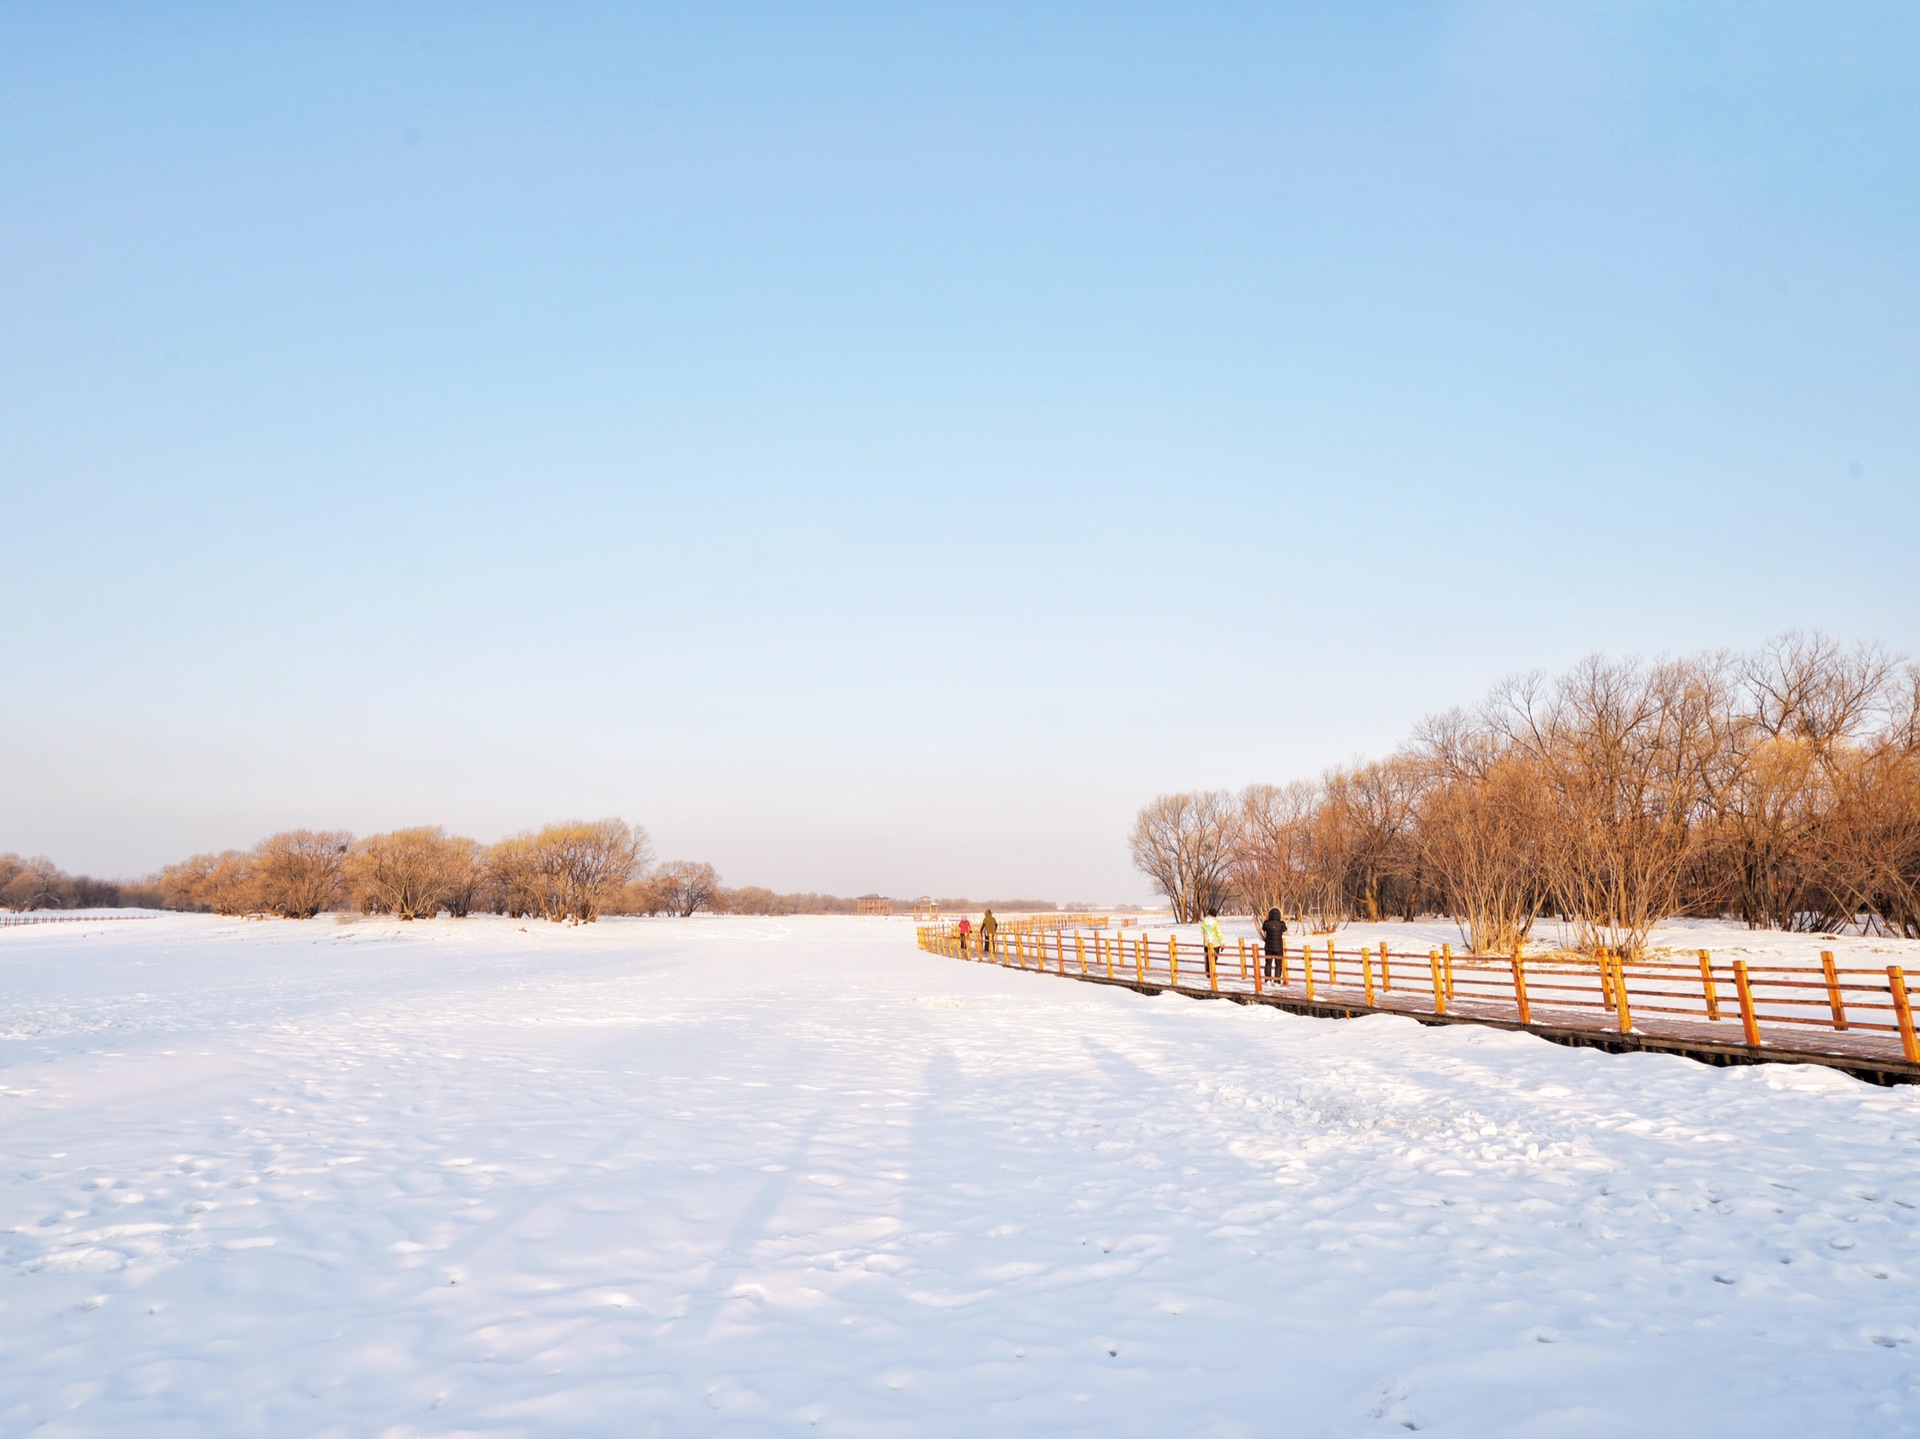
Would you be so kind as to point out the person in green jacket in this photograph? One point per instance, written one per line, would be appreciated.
(1212, 941)
(989, 927)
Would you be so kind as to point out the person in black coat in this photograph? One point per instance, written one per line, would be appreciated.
(1274, 929)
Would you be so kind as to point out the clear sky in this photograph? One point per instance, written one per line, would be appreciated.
(881, 447)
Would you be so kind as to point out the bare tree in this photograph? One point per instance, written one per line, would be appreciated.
(516, 885)
(569, 871)
(11, 868)
(466, 876)
(1284, 852)
(225, 883)
(409, 873)
(1375, 804)
(1620, 750)
(35, 883)
(1480, 831)
(298, 870)
(684, 887)
(1261, 857)
(1182, 843)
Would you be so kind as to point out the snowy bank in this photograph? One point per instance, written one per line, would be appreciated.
(794, 1176)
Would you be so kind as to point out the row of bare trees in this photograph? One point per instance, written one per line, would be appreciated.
(36, 882)
(574, 872)
(1781, 787)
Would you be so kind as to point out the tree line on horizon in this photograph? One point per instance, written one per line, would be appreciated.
(1779, 787)
(573, 871)
(576, 871)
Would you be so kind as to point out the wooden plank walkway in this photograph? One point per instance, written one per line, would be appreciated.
(1854, 1020)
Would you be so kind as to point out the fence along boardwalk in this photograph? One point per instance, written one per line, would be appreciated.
(1857, 1020)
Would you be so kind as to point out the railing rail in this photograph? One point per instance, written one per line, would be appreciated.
(9, 921)
(1781, 1009)
(1045, 923)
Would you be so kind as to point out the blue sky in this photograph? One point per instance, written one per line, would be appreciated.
(879, 448)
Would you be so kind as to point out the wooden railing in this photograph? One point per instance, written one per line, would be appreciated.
(1783, 1009)
(8, 921)
(1046, 923)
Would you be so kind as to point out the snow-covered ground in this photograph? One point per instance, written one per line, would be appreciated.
(736, 1176)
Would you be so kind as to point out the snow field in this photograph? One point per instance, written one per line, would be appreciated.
(736, 1176)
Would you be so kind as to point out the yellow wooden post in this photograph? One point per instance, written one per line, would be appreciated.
(1140, 957)
(1897, 982)
(1706, 985)
(1213, 973)
(1306, 965)
(1520, 987)
(1366, 972)
(1439, 985)
(1386, 972)
(1620, 994)
(1606, 978)
(1113, 943)
(1080, 950)
(1446, 968)
(1834, 1001)
(1243, 961)
(1173, 959)
(1332, 978)
(1060, 950)
(1745, 990)
(1283, 962)
(1259, 970)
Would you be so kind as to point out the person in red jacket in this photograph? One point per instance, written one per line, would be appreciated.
(965, 928)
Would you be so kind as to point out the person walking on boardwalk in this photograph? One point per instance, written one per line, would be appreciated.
(965, 931)
(1211, 940)
(1274, 930)
(989, 927)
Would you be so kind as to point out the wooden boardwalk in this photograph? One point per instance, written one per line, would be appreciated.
(1855, 1020)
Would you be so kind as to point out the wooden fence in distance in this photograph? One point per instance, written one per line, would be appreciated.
(1856, 1019)
(1044, 923)
(8, 921)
